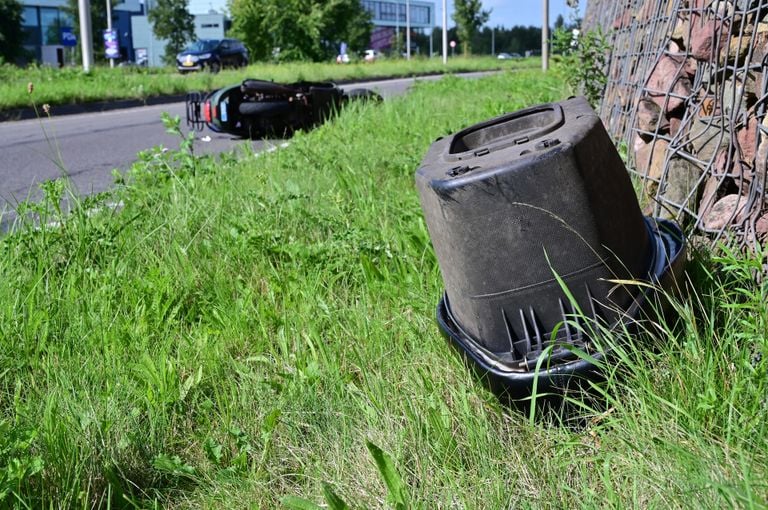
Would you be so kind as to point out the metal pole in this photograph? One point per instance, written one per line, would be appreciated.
(86, 39)
(151, 56)
(408, 29)
(545, 37)
(109, 27)
(430, 43)
(445, 32)
(493, 42)
(397, 32)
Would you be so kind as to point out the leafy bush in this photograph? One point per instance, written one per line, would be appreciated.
(584, 61)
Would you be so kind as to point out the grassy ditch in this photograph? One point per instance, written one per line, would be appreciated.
(71, 85)
(246, 332)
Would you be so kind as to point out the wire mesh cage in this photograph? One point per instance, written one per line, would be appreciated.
(686, 92)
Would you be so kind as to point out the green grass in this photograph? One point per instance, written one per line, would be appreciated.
(247, 332)
(71, 85)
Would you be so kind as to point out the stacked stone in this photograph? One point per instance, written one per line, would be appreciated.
(686, 92)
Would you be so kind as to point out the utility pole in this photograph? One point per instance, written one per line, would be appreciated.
(408, 29)
(398, 49)
(109, 27)
(445, 32)
(493, 42)
(545, 37)
(430, 43)
(86, 39)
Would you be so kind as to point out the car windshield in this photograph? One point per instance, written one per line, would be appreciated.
(202, 46)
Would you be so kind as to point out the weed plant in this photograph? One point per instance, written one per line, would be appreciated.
(259, 333)
(583, 59)
(72, 86)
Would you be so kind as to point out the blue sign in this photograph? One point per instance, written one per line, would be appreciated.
(67, 37)
(111, 49)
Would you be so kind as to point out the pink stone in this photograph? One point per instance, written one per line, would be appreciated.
(706, 38)
(668, 76)
(623, 19)
(691, 65)
(709, 195)
(761, 227)
(648, 115)
(638, 143)
(675, 47)
(649, 159)
(680, 33)
(646, 11)
(726, 211)
(674, 125)
(761, 160)
(747, 138)
(721, 166)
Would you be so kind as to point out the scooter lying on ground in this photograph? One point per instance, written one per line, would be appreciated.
(260, 108)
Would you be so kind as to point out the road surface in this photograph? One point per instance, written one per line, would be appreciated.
(89, 147)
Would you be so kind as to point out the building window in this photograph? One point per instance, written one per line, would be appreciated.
(420, 14)
(387, 11)
(209, 25)
(49, 25)
(29, 17)
(370, 6)
(30, 23)
(382, 11)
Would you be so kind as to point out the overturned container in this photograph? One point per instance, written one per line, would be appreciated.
(523, 210)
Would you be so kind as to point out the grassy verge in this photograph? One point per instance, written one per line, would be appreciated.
(68, 86)
(241, 330)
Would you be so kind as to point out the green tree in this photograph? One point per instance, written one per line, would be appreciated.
(559, 22)
(299, 29)
(469, 17)
(172, 22)
(98, 24)
(11, 34)
(517, 39)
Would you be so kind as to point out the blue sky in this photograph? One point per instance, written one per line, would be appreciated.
(503, 12)
(514, 12)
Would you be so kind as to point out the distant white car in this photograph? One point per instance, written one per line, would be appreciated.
(371, 55)
(508, 56)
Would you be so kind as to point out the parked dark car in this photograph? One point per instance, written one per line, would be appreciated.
(257, 108)
(212, 55)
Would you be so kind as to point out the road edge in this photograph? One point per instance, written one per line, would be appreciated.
(16, 114)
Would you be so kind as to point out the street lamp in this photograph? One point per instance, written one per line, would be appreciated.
(86, 41)
(109, 27)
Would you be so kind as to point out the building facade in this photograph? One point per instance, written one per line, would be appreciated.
(145, 45)
(41, 22)
(389, 20)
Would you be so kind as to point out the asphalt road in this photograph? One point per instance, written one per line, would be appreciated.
(89, 147)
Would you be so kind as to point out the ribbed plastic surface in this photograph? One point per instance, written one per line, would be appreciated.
(514, 201)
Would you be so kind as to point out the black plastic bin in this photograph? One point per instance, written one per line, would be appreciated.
(514, 201)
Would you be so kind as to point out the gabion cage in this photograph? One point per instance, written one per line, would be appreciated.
(686, 92)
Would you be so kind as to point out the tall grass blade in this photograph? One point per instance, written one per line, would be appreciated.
(396, 488)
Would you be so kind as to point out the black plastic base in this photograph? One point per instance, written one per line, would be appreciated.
(561, 374)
